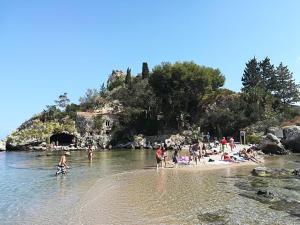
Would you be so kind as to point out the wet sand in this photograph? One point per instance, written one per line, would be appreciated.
(158, 196)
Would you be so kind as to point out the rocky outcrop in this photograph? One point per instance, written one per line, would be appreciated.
(174, 140)
(274, 172)
(292, 138)
(2, 145)
(139, 141)
(270, 144)
(277, 131)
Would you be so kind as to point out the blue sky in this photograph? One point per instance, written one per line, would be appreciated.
(51, 47)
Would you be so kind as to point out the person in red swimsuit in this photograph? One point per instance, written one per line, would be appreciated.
(223, 143)
(226, 157)
(158, 156)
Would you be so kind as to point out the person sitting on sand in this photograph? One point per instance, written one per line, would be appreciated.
(248, 155)
(158, 156)
(225, 156)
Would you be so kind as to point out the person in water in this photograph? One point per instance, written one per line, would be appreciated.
(158, 156)
(62, 165)
(175, 157)
(90, 153)
(164, 156)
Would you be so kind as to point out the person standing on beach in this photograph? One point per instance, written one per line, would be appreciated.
(175, 157)
(231, 143)
(223, 143)
(164, 156)
(158, 156)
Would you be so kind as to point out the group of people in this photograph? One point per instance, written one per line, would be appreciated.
(161, 156)
(196, 152)
(199, 150)
(62, 164)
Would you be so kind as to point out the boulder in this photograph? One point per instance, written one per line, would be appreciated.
(277, 131)
(270, 144)
(174, 140)
(273, 172)
(139, 141)
(2, 145)
(292, 138)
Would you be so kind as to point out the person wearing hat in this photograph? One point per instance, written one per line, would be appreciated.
(62, 165)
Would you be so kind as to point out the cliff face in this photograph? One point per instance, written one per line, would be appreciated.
(35, 132)
(89, 128)
(2, 145)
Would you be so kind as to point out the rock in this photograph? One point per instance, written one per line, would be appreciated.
(139, 141)
(216, 217)
(2, 145)
(270, 144)
(174, 140)
(292, 138)
(272, 172)
(277, 131)
(266, 194)
(128, 145)
(296, 172)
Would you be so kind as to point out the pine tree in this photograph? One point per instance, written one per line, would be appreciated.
(62, 101)
(145, 70)
(267, 73)
(128, 78)
(251, 77)
(102, 90)
(287, 91)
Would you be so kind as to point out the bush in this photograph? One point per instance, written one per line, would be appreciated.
(253, 139)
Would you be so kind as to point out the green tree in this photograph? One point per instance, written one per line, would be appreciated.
(62, 101)
(128, 78)
(91, 100)
(251, 76)
(181, 87)
(287, 91)
(145, 70)
(267, 73)
(102, 90)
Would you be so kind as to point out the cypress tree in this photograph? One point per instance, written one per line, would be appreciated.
(128, 77)
(145, 70)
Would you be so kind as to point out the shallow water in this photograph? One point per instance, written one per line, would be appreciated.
(123, 187)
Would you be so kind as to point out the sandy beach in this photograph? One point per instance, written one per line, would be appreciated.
(127, 198)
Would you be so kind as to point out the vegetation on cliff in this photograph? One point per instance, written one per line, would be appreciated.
(176, 97)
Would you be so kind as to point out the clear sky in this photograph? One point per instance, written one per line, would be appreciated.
(51, 47)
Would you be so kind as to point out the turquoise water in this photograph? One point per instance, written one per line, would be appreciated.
(127, 188)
